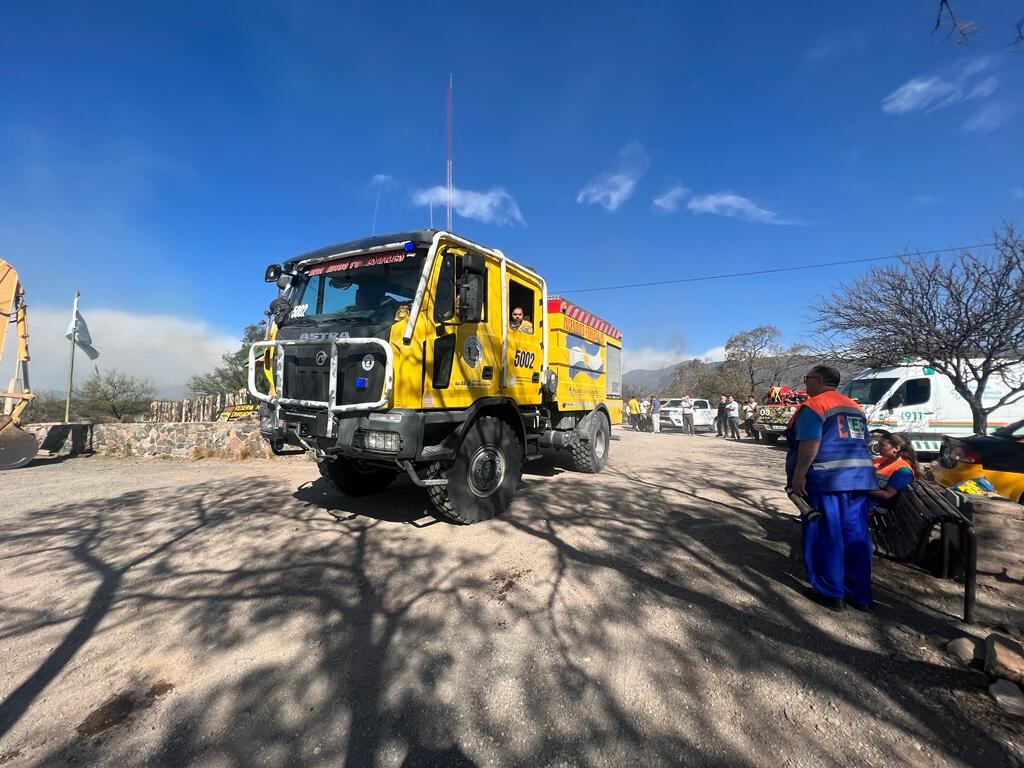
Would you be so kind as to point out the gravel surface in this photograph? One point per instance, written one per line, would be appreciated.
(244, 614)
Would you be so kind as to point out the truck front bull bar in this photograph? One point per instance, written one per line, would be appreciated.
(331, 404)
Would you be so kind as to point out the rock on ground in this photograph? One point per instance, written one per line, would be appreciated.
(1008, 696)
(1004, 658)
(964, 649)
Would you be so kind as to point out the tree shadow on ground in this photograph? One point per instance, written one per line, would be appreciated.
(638, 617)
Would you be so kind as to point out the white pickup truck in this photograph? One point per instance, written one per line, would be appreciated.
(672, 414)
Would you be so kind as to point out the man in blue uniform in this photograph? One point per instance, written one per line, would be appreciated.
(829, 463)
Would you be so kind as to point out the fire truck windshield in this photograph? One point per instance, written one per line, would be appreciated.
(375, 288)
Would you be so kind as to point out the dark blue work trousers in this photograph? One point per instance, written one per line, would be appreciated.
(837, 546)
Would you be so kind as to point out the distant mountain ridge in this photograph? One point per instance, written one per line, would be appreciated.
(649, 381)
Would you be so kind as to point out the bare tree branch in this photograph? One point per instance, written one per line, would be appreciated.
(964, 318)
(947, 17)
(965, 30)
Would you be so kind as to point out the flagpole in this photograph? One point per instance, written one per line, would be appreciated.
(71, 362)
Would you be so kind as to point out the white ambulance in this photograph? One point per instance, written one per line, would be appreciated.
(922, 404)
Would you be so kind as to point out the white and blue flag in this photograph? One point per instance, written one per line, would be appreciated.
(78, 331)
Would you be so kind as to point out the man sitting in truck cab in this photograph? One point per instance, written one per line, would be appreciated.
(520, 323)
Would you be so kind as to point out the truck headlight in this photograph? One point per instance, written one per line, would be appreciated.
(381, 441)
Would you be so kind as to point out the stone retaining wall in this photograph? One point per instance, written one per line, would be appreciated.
(224, 440)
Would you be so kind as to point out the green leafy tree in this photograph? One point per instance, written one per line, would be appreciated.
(48, 407)
(233, 374)
(115, 394)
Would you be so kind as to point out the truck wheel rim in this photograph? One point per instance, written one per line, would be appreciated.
(486, 471)
(600, 444)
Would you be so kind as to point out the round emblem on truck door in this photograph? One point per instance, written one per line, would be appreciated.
(472, 351)
(321, 357)
(368, 362)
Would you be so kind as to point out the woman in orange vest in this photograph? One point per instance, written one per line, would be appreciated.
(896, 466)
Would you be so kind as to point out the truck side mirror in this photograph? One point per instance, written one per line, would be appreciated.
(272, 273)
(471, 297)
(474, 264)
(284, 280)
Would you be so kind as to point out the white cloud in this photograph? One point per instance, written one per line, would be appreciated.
(713, 355)
(925, 200)
(612, 188)
(921, 93)
(822, 47)
(1018, 193)
(382, 180)
(495, 206)
(976, 66)
(984, 89)
(734, 206)
(987, 119)
(937, 91)
(843, 41)
(669, 202)
(165, 349)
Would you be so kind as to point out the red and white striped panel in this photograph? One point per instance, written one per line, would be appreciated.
(567, 308)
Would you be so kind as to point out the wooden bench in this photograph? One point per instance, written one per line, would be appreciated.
(903, 530)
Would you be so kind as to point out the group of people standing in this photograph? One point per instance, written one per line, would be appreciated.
(644, 415)
(727, 422)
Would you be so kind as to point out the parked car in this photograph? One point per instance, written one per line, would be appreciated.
(672, 414)
(998, 457)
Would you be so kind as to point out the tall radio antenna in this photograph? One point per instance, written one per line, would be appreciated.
(448, 166)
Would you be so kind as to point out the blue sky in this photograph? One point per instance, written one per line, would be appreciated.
(157, 156)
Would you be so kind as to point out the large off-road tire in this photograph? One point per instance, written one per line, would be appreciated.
(769, 438)
(591, 455)
(353, 478)
(483, 478)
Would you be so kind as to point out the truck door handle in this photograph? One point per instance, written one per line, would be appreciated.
(488, 372)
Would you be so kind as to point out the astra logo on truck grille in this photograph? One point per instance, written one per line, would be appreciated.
(315, 336)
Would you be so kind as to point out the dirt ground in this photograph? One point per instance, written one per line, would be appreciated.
(168, 613)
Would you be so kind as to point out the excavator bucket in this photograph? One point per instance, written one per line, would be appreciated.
(17, 447)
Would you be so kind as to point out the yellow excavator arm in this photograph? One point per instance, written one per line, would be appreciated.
(17, 447)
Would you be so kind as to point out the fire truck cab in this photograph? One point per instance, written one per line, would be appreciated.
(406, 353)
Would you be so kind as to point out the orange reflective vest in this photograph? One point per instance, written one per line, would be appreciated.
(883, 473)
(843, 462)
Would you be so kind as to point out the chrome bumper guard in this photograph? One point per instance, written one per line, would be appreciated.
(331, 405)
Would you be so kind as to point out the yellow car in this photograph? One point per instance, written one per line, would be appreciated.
(998, 457)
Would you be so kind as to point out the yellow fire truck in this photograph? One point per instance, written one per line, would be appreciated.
(427, 353)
